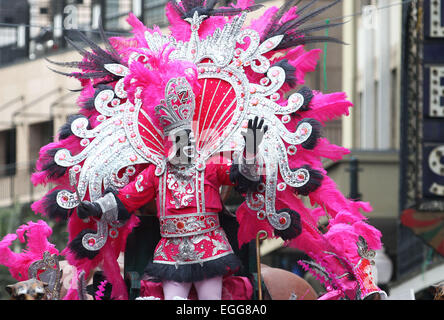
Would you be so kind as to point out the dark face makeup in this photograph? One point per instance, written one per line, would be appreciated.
(183, 148)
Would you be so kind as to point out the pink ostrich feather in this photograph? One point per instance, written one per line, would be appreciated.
(138, 30)
(36, 234)
(153, 80)
(181, 30)
(249, 225)
(126, 46)
(327, 107)
(303, 61)
(324, 149)
(107, 257)
(243, 4)
(41, 176)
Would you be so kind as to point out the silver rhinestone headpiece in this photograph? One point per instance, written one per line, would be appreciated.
(177, 110)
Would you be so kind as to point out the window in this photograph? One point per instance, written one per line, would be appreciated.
(40, 134)
(7, 152)
(154, 12)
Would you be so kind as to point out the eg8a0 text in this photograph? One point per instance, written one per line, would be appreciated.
(243, 309)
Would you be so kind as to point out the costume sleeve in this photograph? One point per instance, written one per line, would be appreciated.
(223, 174)
(140, 191)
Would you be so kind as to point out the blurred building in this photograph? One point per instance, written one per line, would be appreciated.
(374, 70)
(371, 70)
(36, 102)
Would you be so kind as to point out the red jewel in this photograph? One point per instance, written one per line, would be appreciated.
(282, 220)
(180, 225)
(261, 215)
(65, 198)
(91, 242)
(301, 177)
(113, 233)
(201, 218)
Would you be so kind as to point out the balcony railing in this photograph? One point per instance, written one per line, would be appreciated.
(16, 185)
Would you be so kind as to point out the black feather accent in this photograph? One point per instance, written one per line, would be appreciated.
(290, 72)
(94, 61)
(241, 183)
(295, 227)
(187, 8)
(313, 183)
(65, 130)
(53, 169)
(307, 93)
(89, 104)
(293, 35)
(52, 209)
(312, 140)
(79, 250)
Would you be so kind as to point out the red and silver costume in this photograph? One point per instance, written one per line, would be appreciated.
(188, 205)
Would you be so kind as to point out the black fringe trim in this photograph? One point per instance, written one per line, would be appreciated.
(65, 130)
(290, 76)
(53, 169)
(89, 104)
(313, 183)
(79, 250)
(295, 227)
(312, 141)
(307, 93)
(194, 272)
(52, 209)
(241, 183)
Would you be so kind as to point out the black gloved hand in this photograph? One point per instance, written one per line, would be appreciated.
(254, 135)
(88, 209)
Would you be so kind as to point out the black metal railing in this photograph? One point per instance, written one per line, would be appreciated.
(16, 185)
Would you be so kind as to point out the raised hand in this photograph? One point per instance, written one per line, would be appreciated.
(254, 135)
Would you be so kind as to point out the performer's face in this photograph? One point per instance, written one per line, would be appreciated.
(183, 150)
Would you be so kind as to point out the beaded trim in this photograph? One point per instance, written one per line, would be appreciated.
(188, 224)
